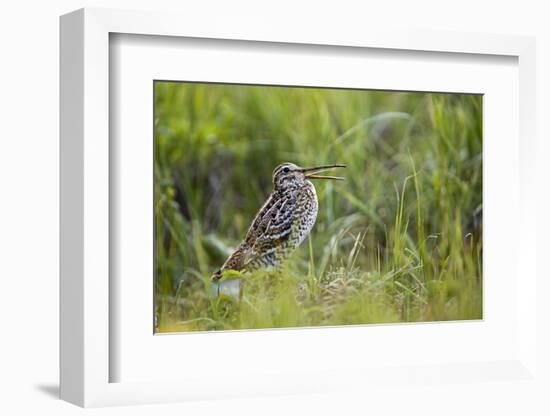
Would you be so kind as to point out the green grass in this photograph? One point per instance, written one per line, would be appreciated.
(398, 241)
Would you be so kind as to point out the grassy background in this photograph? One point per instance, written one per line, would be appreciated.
(398, 241)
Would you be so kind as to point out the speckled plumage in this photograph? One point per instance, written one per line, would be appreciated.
(282, 223)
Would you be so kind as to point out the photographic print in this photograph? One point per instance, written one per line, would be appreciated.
(285, 207)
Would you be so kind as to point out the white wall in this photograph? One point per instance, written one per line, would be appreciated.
(29, 187)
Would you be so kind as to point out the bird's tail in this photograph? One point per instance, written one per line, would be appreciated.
(233, 262)
(216, 275)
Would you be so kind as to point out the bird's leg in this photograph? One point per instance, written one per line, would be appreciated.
(227, 287)
(241, 289)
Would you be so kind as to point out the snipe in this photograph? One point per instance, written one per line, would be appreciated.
(282, 223)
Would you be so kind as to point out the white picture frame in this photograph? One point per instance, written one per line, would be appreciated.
(86, 355)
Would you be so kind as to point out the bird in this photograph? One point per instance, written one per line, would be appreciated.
(282, 223)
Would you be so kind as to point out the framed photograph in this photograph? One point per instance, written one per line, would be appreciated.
(250, 234)
(291, 213)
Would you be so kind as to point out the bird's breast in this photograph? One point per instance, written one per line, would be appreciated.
(306, 212)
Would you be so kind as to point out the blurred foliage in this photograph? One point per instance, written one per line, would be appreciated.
(399, 240)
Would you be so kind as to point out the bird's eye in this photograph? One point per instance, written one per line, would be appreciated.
(286, 170)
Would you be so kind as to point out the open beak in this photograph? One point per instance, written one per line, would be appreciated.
(319, 169)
